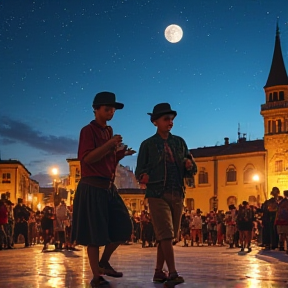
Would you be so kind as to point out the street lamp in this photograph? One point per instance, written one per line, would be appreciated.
(256, 178)
(57, 197)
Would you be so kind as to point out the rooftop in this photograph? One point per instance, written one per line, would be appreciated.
(240, 147)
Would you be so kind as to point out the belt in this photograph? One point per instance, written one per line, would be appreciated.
(98, 182)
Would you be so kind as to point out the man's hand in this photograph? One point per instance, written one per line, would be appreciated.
(144, 178)
(114, 141)
(129, 152)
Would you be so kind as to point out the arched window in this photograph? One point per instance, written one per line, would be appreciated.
(279, 125)
(275, 96)
(232, 200)
(203, 176)
(213, 203)
(231, 174)
(252, 200)
(281, 95)
(270, 97)
(248, 174)
(190, 203)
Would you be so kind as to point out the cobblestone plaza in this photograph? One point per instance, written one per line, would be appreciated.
(201, 267)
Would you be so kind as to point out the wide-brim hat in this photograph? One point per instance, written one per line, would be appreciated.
(160, 110)
(106, 99)
(198, 211)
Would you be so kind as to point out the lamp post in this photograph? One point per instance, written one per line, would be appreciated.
(56, 198)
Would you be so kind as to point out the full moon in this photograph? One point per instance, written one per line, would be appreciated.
(173, 33)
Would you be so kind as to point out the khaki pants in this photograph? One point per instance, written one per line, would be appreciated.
(166, 215)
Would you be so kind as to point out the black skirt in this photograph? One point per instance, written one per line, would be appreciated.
(245, 225)
(100, 216)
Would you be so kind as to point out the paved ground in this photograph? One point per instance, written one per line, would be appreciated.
(202, 267)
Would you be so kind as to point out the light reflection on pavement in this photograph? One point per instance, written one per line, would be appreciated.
(201, 267)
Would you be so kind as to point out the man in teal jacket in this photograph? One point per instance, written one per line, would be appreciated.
(162, 165)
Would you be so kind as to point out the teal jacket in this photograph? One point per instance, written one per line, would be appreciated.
(151, 160)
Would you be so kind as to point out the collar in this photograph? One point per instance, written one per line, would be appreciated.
(94, 122)
(157, 135)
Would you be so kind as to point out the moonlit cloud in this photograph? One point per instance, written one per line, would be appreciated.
(13, 131)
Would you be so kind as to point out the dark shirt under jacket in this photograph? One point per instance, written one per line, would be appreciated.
(152, 159)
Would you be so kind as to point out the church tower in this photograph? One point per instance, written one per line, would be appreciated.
(275, 114)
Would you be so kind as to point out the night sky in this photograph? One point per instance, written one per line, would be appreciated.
(56, 55)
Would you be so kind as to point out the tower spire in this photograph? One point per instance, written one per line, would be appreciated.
(278, 74)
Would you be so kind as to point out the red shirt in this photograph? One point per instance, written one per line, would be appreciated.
(3, 214)
(92, 136)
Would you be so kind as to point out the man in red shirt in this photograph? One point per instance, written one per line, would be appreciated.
(100, 217)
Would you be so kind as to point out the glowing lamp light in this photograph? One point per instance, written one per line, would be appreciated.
(54, 171)
(30, 198)
(39, 206)
(256, 178)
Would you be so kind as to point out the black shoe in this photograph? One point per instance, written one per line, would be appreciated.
(249, 250)
(231, 246)
(159, 277)
(98, 282)
(107, 269)
(174, 278)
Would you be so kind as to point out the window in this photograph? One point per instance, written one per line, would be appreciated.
(252, 200)
(269, 126)
(231, 174)
(275, 96)
(248, 174)
(190, 204)
(6, 178)
(203, 177)
(213, 203)
(270, 97)
(281, 95)
(77, 175)
(231, 200)
(279, 126)
(279, 166)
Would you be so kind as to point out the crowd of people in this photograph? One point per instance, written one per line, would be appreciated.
(237, 227)
(100, 217)
(49, 226)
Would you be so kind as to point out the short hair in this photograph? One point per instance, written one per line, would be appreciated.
(96, 107)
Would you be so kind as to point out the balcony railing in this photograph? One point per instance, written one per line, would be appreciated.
(274, 105)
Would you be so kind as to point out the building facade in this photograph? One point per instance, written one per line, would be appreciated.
(247, 170)
(125, 181)
(16, 183)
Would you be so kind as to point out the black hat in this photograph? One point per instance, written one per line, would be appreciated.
(106, 99)
(275, 191)
(160, 110)
(198, 211)
(20, 200)
(232, 206)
